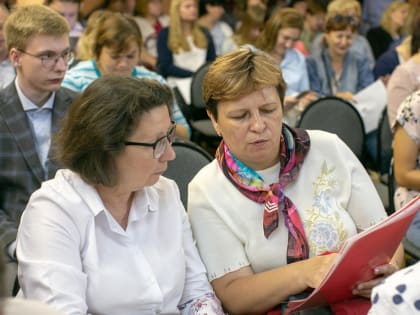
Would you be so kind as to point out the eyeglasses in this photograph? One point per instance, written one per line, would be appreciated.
(344, 18)
(49, 60)
(160, 145)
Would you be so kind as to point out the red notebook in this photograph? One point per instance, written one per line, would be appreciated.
(360, 254)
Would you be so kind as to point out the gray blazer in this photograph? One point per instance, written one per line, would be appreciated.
(21, 171)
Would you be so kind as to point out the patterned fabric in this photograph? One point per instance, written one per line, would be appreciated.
(408, 118)
(85, 72)
(294, 146)
(398, 294)
(21, 172)
(206, 305)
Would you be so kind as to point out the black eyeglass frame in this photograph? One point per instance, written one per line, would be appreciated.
(170, 137)
(45, 59)
(340, 18)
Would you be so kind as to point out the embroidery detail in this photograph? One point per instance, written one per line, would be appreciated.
(324, 227)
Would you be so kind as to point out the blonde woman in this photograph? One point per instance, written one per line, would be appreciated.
(391, 29)
(84, 48)
(183, 46)
(347, 8)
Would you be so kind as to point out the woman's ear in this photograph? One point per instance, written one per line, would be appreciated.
(214, 123)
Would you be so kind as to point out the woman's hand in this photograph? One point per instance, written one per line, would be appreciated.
(365, 289)
(306, 99)
(316, 268)
(383, 271)
(348, 96)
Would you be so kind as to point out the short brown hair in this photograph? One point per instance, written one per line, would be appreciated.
(101, 119)
(30, 20)
(116, 31)
(238, 73)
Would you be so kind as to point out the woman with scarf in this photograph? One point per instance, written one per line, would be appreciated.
(275, 198)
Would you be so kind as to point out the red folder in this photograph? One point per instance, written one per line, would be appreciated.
(360, 254)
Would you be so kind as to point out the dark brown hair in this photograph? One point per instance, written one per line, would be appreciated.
(101, 119)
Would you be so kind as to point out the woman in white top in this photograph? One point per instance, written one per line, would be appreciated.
(276, 197)
(109, 234)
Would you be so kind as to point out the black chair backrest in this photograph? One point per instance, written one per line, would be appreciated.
(385, 137)
(197, 99)
(190, 158)
(337, 116)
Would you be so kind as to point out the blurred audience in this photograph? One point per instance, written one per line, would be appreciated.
(405, 79)
(391, 28)
(250, 27)
(278, 37)
(151, 20)
(336, 69)
(313, 26)
(69, 9)
(184, 46)
(84, 48)
(7, 71)
(116, 47)
(211, 12)
(359, 43)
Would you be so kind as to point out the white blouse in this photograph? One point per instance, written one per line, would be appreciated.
(74, 255)
(333, 194)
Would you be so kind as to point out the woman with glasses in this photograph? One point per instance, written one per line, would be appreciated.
(278, 38)
(109, 234)
(348, 8)
(337, 70)
(116, 44)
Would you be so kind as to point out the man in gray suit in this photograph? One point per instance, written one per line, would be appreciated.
(31, 108)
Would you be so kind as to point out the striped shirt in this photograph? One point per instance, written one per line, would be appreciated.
(85, 72)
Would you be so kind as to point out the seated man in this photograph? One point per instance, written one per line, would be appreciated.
(31, 108)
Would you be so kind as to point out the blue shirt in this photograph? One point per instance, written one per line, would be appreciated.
(85, 72)
(40, 122)
(294, 72)
(355, 76)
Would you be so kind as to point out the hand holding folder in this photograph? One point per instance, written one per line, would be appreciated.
(360, 254)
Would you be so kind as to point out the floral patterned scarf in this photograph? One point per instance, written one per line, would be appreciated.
(294, 146)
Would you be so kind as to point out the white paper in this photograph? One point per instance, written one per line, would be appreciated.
(370, 103)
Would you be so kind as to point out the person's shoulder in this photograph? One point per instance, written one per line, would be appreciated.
(141, 72)
(164, 32)
(164, 20)
(7, 91)
(225, 28)
(376, 31)
(68, 92)
(321, 138)
(16, 306)
(208, 172)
